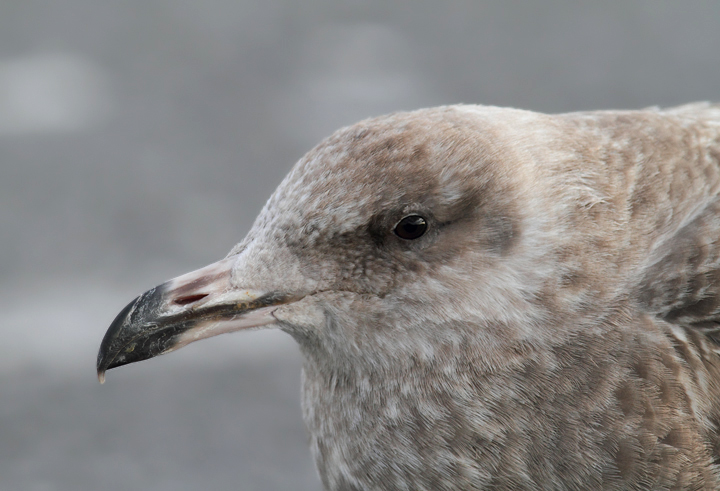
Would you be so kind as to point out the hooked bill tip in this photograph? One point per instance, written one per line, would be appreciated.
(101, 377)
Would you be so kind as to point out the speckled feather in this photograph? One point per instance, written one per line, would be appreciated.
(555, 328)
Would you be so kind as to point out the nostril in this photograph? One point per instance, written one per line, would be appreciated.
(190, 298)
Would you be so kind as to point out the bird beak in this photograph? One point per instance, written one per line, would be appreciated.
(191, 307)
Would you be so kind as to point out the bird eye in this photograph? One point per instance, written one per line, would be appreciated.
(411, 227)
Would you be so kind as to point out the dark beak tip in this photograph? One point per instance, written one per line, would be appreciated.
(134, 334)
(108, 351)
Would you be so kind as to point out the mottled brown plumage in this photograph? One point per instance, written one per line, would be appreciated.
(556, 327)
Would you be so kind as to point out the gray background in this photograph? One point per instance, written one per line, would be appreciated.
(139, 139)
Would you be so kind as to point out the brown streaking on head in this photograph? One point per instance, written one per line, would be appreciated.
(553, 323)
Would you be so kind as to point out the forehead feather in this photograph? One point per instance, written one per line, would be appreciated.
(429, 157)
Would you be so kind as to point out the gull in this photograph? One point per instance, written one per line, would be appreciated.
(484, 298)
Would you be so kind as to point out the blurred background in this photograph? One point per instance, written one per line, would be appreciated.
(139, 139)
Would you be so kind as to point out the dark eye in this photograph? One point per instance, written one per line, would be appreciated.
(411, 227)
